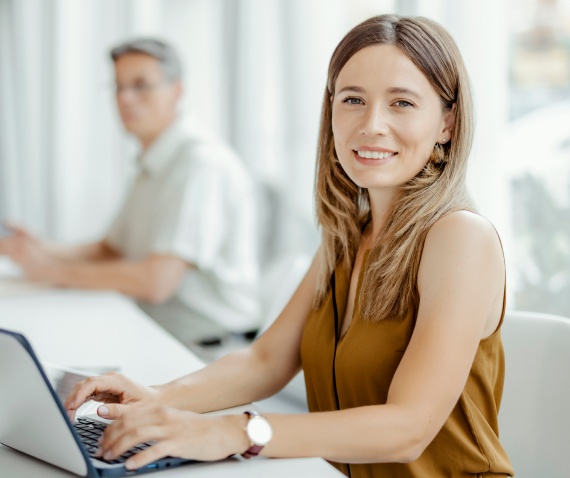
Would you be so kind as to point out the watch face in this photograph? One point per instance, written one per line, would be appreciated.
(259, 431)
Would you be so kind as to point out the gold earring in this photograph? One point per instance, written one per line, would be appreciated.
(438, 155)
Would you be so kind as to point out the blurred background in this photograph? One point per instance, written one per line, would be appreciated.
(255, 73)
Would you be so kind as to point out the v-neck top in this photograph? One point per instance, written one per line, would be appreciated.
(365, 362)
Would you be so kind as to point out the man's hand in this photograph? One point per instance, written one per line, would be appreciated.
(29, 253)
(153, 279)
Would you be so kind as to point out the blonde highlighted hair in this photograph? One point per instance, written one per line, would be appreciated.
(389, 285)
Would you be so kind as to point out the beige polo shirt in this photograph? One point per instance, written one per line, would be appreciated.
(193, 199)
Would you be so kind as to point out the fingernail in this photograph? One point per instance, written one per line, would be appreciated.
(103, 411)
(130, 464)
(107, 455)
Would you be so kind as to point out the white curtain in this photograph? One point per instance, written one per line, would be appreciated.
(62, 153)
(24, 106)
(255, 73)
(278, 60)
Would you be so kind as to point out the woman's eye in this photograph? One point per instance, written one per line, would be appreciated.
(403, 103)
(351, 100)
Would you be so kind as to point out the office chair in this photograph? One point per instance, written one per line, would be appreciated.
(534, 419)
(280, 282)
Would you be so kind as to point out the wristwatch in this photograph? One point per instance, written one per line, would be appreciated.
(258, 432)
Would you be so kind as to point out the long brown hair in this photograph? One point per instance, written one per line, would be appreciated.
(390, 282)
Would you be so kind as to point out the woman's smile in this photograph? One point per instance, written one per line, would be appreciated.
(373, 156)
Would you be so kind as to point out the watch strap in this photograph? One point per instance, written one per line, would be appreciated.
(253, 449)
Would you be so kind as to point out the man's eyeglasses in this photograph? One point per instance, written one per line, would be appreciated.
(139, 89)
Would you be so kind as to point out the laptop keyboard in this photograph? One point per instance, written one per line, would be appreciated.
(91, 430)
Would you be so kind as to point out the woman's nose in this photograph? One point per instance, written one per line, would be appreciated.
(374, 122)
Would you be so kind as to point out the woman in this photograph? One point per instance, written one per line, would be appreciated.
(396, 323)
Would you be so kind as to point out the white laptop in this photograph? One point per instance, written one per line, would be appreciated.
(33, 419)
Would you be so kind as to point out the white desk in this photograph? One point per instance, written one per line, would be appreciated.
(57, 322)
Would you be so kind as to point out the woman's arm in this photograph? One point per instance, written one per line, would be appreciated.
(241, 377)
(461, 284)
(253, 373)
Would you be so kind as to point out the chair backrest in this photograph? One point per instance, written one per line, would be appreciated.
(280, 280)
(534, 419)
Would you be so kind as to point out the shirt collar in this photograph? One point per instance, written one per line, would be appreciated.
(157, 156)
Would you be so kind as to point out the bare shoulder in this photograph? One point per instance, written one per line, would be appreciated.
(462, 267)
(466, 228)
(462, 241)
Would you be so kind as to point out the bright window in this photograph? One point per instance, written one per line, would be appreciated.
(538, 145)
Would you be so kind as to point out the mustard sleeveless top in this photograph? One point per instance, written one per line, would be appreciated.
(367, 357)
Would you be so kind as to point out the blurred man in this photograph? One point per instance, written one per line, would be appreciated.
(183, 243)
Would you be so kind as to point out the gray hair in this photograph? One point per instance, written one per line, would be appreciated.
(164, 53)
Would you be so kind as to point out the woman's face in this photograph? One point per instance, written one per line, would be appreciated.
(386, 118)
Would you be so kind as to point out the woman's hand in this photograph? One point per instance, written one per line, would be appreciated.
(113, 389)
(176, 433)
